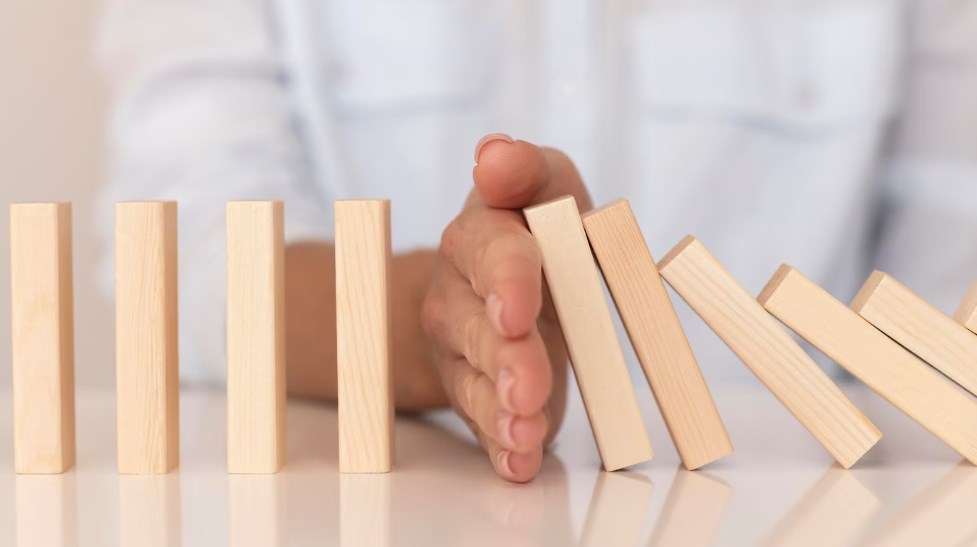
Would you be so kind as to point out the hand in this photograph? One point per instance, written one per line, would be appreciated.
(498, 345)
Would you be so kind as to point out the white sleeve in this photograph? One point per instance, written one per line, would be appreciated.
(202, 115)
(928, 229)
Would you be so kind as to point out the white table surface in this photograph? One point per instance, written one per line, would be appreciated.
(779, 488)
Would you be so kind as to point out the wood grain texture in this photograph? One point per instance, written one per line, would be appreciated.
(872, 357)
(366, 406)
(147, 366)
(919, 327)
(588, 329)
(42, 322)
(255, 337)
(657, 336)
(769, 351)
(966, 314)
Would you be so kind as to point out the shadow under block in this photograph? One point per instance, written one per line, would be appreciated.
(43, 337)
(894, 373)
(147, 367)
(588, 329)
(366, 406)
(919, 327)
(966, 314)
(769, 351)
(656, 334)
(255, 337)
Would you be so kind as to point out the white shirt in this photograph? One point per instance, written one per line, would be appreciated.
(837, 136)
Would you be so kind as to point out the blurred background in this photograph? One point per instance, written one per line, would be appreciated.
(51, 143)
(837, 136)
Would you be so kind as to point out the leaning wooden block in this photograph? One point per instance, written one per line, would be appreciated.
(595, 352)
(966, 314)
(919, 327)
(656, 334)
(43, 337)
(766, 348)
(255, 337)
(894, 373)
(147, 373)
(366, 407)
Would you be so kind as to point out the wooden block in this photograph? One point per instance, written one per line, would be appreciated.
(872, 357)
(366, 406)
(595, 352)
(769, 351)
(919, 327)
(656, 334)
(42, 313)
(966, 314)
(255, 337)
(147, 373)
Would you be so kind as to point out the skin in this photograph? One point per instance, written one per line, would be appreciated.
(474, 327)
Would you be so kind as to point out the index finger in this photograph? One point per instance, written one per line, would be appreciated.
(515, 175)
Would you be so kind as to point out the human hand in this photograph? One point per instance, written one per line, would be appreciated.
(498, 344)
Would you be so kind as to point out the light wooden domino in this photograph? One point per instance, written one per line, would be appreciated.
(255, 337)
(366, 406)
(769, 351)
(966, 314)
(656, 334)
(43, 337)
(595, 352)
(919, 327)
(894, 373)
(147, 373)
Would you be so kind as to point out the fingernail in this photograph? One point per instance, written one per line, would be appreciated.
(503, 462)
(489, 138)
(505, 383)
(493, 307)
(504, 426)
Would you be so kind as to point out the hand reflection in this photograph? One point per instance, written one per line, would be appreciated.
(46, 510)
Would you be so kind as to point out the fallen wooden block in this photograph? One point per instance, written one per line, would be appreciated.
(894, 373)
(255, 337)
(656, 334)
(919, 327)
(966, 314)
(147, 366)
(366, 407)
(588, 329)
(42, 338)
(768, 350)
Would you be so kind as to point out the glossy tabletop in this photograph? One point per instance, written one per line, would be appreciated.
(779, 487)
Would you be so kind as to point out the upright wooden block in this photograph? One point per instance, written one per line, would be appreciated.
(966, 314)
(366, 406)
(894, 373)
(595, 352)
(255, 337)
(766, 348)
(656, 334)
(919, 327)
(147, 373)
(43, 337)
